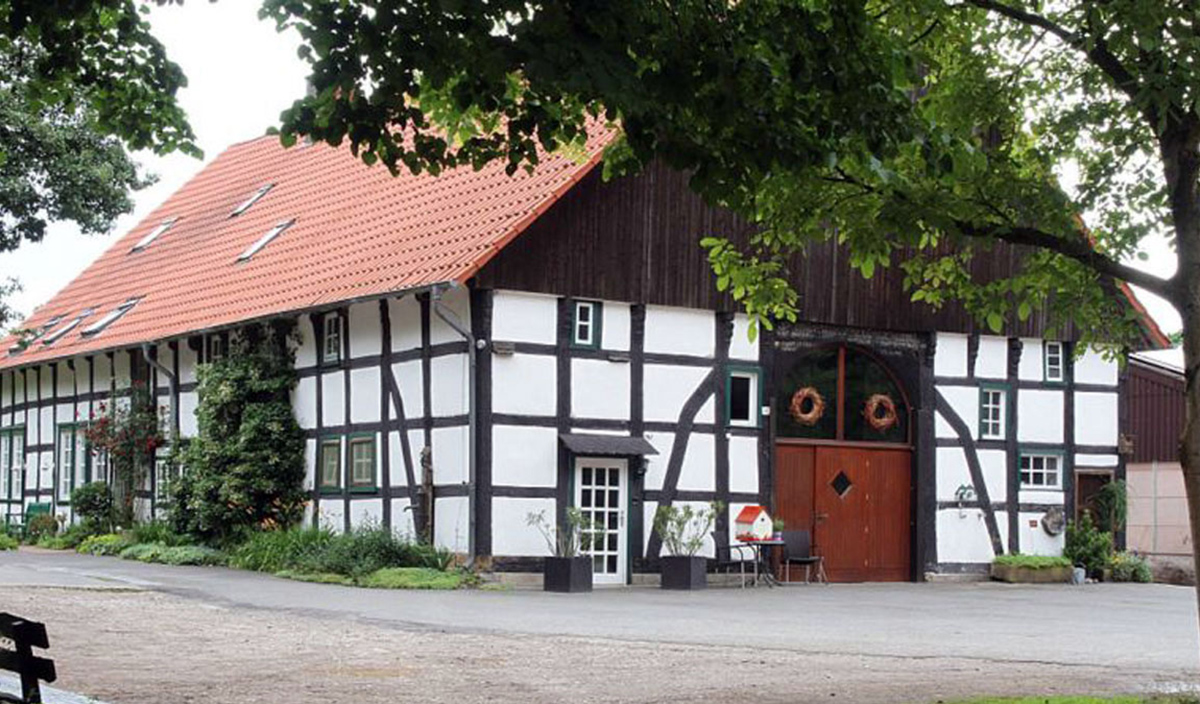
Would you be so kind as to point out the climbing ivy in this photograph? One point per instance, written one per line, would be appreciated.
(128, 430)
(245, 468)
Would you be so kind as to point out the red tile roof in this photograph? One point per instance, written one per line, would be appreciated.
(358, 233)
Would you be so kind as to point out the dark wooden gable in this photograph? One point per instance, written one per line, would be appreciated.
(637, 239)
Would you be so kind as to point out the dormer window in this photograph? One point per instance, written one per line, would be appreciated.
(265, 240)
(154, 234)
(254, 198)
(48, 326)
(59, 333)
(113, 316)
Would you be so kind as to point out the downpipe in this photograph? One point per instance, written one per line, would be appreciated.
(452, 320)
(172, 388)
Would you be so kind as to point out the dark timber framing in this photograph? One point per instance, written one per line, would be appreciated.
(1012, 458)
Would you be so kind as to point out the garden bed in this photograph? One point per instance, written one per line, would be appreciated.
(1031, 569)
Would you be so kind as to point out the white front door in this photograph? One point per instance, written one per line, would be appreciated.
(600, 486)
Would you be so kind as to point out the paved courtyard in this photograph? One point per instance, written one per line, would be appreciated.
(128, 632)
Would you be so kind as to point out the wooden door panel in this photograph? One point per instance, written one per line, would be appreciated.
(794, 485)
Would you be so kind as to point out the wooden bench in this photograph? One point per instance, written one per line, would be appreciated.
(25, 636)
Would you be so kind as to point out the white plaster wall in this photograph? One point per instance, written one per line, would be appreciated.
(524, 456)
(121, 369)
(306, 348)
(963, 537)
(402, 519)
(310, 465)
(992, 361)
(304, 402)
(743, 464)
(740, 346)
(1092, 368)
(656, 465)
(1095, 418)
(511, 535)
(366, 513)
(409, 381)
(668, 387)
(525, 317)
(615, 326)
(1033, 540)
(1031, 366)
(1040, 496)
(66, 379)
(333, 407)
(332, 514)
(524, 384)
(1039, 416)
(406, 323)
(680, 331)
(1095, 461)
(450, 451)
(188, 426)
(365, 387)
(448, 385)
(697, 473)
(450, 523)
(458, 301)
(965, 402)
(648, 509)
(600, 389)
(950, 357)
(953, 472)
(363, 329)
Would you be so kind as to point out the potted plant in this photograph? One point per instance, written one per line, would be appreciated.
(777, 525)
(1031, 569)
(682, 531)
(567, 569)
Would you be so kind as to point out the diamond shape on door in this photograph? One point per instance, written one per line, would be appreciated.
(841, 484)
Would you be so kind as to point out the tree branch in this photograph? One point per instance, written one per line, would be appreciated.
(1080, 250)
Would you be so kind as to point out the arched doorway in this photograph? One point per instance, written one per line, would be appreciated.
(844, 462)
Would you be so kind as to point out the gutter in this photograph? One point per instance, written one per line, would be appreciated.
(172, 391)
(473, 347)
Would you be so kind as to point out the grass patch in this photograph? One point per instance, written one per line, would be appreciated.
(106, 544)
(277, 550)
(411, 578)
(7, 542)
(173, 554)
(317, 577)
(1033, 562)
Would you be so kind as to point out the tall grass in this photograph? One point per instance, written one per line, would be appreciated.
(356, 553)
(278, 550)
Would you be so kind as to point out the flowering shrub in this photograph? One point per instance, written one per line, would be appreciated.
(129, 433)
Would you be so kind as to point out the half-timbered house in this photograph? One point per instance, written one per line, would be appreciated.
(528, 343)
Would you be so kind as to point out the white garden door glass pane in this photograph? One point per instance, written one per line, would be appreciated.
(600, 494)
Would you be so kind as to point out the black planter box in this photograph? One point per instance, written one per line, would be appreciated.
(684, 572)
(568, 574)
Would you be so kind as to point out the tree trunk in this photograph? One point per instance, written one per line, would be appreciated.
(1189, 442)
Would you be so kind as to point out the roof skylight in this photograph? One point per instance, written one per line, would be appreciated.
(254, 198)
(154, 234)
(113, 316)
(59, 333)
(265, 240)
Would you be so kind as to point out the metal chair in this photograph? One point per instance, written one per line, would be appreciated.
(725, 555)
(797, 548)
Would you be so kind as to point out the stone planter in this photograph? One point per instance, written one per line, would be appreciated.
(568, 574)
(684, 572)
(1029, 575)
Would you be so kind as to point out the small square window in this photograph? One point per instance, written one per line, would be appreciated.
(217, 347)
(1054, 361)
(991, 414)
(1040, 472)
(331, 465)
(585, 328)
(362, 462)
(742, 404)
(331, 345)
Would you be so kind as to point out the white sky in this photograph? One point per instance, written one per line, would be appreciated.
(241, 75)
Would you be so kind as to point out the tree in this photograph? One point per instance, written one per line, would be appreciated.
(79, 83)
(918, 133)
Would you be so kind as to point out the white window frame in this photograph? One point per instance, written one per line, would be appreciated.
(214, 347)
(99, 326)
(331, 331)
(1026, 466)
(987, 423)
(254, 198)
(6, 443)
(577, 324)
(67, 466)
(752, 403)
(154, 234)
(265, 240)
(1059, 352)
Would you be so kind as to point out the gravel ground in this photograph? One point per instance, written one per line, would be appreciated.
(126, 645)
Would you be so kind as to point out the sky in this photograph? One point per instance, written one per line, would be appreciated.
(241, 75)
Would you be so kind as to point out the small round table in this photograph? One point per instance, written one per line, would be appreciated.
(763, 574)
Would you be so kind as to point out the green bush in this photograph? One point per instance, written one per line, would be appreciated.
(1127, 567)
(1033, 562)
(158, 532)
(411, 578)
(144, 552)
(276, 550)
(360, 552)
(7, 542)
(40, 526)
(53, 542)
(1088, 546)
(107, 544)
(93, 503)
(191, 555)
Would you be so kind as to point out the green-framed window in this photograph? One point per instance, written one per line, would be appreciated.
(1054, 361)
(993, 412)
(743, 397)
(1041, 470)
(12, 462)
(362, 462)
(586, 318)
(72, 459)
(329, 465)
